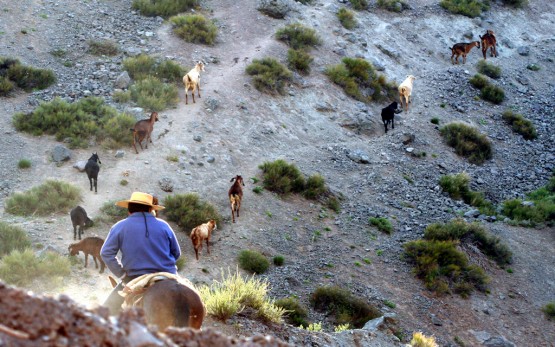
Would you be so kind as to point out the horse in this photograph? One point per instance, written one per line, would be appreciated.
(168, 302)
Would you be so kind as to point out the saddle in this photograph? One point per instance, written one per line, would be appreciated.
(133, 291)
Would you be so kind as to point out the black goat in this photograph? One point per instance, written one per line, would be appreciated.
(235, 194)
(388, 115)
(79, 219)
(92, 168)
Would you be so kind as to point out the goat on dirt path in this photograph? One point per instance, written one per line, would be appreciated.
(192, 81)
(143, 130)
(388, 115)
(405, 91)
(89, 245)
(235, 194)
(92, 168)
(200, 233)
(79, 219)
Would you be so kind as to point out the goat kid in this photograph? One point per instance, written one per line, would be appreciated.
(79, 219)
(192, 81)
(489, 41)
(388, 115)
(235, 194)
(200, 233)
(463, 49)
(143, 130)
(92, 168)
(89, 245)
(405, 91)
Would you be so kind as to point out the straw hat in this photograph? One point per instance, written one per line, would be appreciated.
(140, 198)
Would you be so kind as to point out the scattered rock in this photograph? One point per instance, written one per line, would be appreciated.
(61, 153)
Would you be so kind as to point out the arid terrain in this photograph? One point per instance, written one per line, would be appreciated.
(233, 128)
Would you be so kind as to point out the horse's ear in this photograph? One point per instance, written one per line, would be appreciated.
(233, 179)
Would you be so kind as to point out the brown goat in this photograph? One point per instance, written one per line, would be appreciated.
(489, 41)
(143, 130)
(200, 233)
(235, 194)
(192, 81)
(463, 49)
(89, 245)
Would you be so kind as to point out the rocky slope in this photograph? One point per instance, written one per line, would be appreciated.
(233, 128)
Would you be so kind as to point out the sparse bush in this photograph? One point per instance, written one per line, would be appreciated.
(154, 95)
(516, 3)
(421, 340)
(383, 224)
(111, 213)
(279, 260)
(6, 86)
(345, 307)
(434, 120)
(297, 36)
(493, 93)
(253, 261)
(549, 310)
(315, 187)
(333, 203)
(299, 60)
(520, 125)
(467, 142)
(359, 5)
(296, 313)
(188, 211)
(23, 268)
(143, 66)
(341, 327)
(169, 71)
(269, 75)
(50, 197)
(469, 8)
(103, 47)
(488, 69)
(393, 5)
(12, 238)
(80, 121)
(24, 164)
(539, 208)
(163, 8)
(29, 78)
(281, 177)
(194, 28)
(457, 186)
(479, 81)
(347, 18)
(360, 80)
(258, 190)
(122, 97)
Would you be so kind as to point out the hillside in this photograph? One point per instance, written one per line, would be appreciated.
(233, 128)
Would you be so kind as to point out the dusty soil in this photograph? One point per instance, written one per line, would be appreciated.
(248, 128)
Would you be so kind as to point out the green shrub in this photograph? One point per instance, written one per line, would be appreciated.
(12, 238)
(347, 18)
(434, 120)
(299, 60)
(188, 211)
(533, 67)
(296, 314)
(333, 203)
(516, 3)
(111, 213)
(297, 36)
(383, 224)
(258, 189)
(253, 261)
(539, 209)
(360, 80)
(163, 8)
(457, 186)
(279, 260)
(194, 28)
(479, 81)
(180, 263)
(549, 310)
(345, 307)
(121, 97)
(315, 187)
(29, 78)
(169, 71)
(24, 164)
(488, 69)
(50, 197)
(393, 5)
(103, 47)
(24, 268)
(493, 93)
(6, 86)
(281, 177)
(140, 67)
(469, 8)
(520, 125)
(467, 142)
(80, 121)
(154, 95)
(359, 5)
(269, 75)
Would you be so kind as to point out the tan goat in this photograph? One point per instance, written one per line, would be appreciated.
(405, 91)
(143, 130)
(463, 49)
(89, 245)
(200, 233)
(192, 81)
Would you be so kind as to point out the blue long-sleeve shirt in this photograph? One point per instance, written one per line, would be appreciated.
(142, 252)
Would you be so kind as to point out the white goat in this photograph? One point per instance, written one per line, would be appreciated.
(405, 90)
(192, 81)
